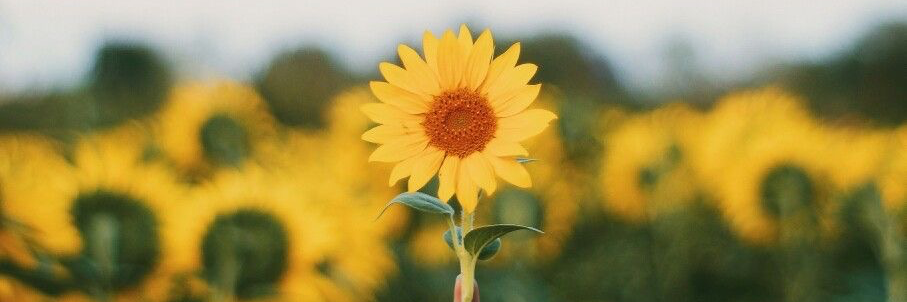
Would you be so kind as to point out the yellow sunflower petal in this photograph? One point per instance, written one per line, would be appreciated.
(505, 61)
(404, 100)
(449, 72)
(481, 171)
(519, 102)
(479, 60)
(447, 177)
(400, 148)
(399, 77)
(524, 125)
(430, 51)
(385, 133)
(499, 147)
(511, 80)
(465, 42)
(510, 170)
(423, 76)
(467, 191)
(402, 170)
(425, 167)
(387, 114)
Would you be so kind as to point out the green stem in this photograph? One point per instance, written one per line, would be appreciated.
(104, 229)
(467, 261)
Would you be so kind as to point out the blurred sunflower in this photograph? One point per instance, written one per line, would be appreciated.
(209, 124)
(644, 166)
(737, 118)
(345, 151)
(457, 113)
(855, 156)
(893, 178)
(271, 234)
(108, 229)
(427, 248)
(335, 154)
(121, 212)
(759, 155)
(32, 175)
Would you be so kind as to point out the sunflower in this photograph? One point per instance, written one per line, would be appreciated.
(32, 175)
(893, 179)
(736, 119)
(209, 124)
(334, 155)
(265, 233)
(455, 112)
(111, 217)
(758, 150)
(644, 166)
(855, 156)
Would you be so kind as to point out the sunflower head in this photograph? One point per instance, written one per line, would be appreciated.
(892, 180)
(270, 233)
(32, 174)
(211, 124)
(122, 223)
(758, 153)
(645, 166)
(457, 112)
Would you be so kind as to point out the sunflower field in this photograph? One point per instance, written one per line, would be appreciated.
(145, 184)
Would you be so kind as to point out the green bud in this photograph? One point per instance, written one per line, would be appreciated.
(490, 250)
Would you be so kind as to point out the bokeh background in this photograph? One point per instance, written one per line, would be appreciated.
(210, 151)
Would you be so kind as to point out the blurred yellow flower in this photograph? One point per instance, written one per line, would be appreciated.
(33, 177)
(333, 158)
(854, 156)
(427, 247)
(208, 124)
(750, 139)
(255, 229)
(457, 113)
(112, 212)
(645, 165)
(893, 178)
(737, 118)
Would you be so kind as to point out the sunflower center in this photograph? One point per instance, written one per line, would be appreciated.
(460, 122)
(786, 189)
(245, 251)
(121, 243)
(224, 140)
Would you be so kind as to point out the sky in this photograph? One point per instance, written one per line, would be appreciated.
(46, 44)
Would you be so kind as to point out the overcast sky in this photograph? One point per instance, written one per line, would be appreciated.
(49, 44)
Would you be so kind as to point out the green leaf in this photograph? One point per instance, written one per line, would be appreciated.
(478, 238)
(420, 201)
(524, 160)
